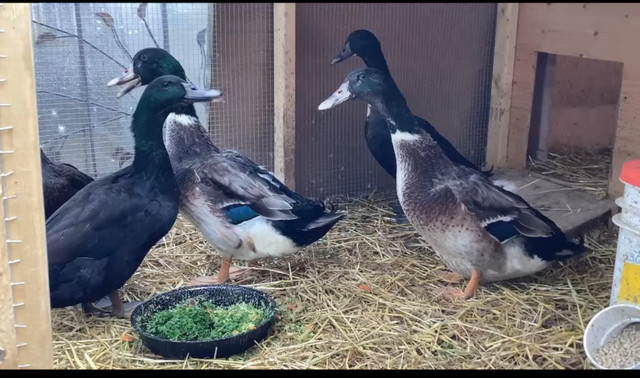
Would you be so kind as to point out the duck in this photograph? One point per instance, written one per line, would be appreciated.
(241, 208)
(60, 181)
(482, 232)
(100, 236)
(364, 44)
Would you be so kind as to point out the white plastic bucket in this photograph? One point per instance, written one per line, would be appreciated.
(625, 287)
(607, 324)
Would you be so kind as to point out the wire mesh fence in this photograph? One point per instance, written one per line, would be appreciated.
(79, 47)
(439, 54)
(441, 57)
(243, 68)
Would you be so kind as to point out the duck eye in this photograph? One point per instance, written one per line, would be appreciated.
(143, 58)
(360, 76)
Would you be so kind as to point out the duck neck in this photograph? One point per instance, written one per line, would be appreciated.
(410, 141)
(393, 107)
(375, 59)
(186, 137)
(150, 153)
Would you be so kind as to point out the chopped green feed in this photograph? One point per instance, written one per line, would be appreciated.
(201, 320)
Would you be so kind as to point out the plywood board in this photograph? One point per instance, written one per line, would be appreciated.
(25, 240)
(599, 31)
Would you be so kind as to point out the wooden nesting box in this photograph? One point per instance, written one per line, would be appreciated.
(606, 32)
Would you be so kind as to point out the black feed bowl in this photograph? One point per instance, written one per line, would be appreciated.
(221, 295)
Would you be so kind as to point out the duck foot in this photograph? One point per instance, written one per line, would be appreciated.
(116, 307)
(103, 303)
(468, 292)
(454, 292)
(89, 309)
(451, 277)
(399, 215)
(227, 272)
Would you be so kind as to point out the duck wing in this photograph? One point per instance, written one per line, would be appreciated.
(77, 178)
(242, 184)
(262, 172)
(101, 219)
(502, 213)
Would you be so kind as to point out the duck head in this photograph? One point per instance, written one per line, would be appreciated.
(148, 65)
(368, 84)
(362, 43)
(168, 92)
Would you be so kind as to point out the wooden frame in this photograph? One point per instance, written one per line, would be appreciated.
(284, 82)
(25, 320)
(593, 30)
(501, 83)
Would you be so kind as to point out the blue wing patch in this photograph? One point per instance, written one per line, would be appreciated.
(502, 230)
(237, 214)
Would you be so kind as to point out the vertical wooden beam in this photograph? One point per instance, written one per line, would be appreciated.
(8, 349)
(25, 244)
(284, 87)
(522, 91)
(501, 83)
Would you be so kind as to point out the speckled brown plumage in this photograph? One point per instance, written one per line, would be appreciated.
(432, 207)
(481, 231)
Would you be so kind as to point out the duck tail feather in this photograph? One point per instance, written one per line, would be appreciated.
(326, 220)
(573, 248)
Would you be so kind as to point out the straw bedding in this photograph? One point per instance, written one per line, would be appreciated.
(364, 297)
(579, 168)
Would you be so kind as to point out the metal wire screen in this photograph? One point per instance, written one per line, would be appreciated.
(77, 51)
(243, 70)
(439, 54)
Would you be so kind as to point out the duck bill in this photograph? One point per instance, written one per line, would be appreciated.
(344, 54)
(338, 97)
(128, 77)
(195, 94)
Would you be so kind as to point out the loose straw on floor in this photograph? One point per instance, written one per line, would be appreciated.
(365, 297)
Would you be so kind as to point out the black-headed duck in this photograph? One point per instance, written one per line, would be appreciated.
(242, 209)
(98, 239)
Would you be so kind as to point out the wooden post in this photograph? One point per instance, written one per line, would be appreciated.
(8, 349)
(23, 249)
(501, 83)
(284, 86)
